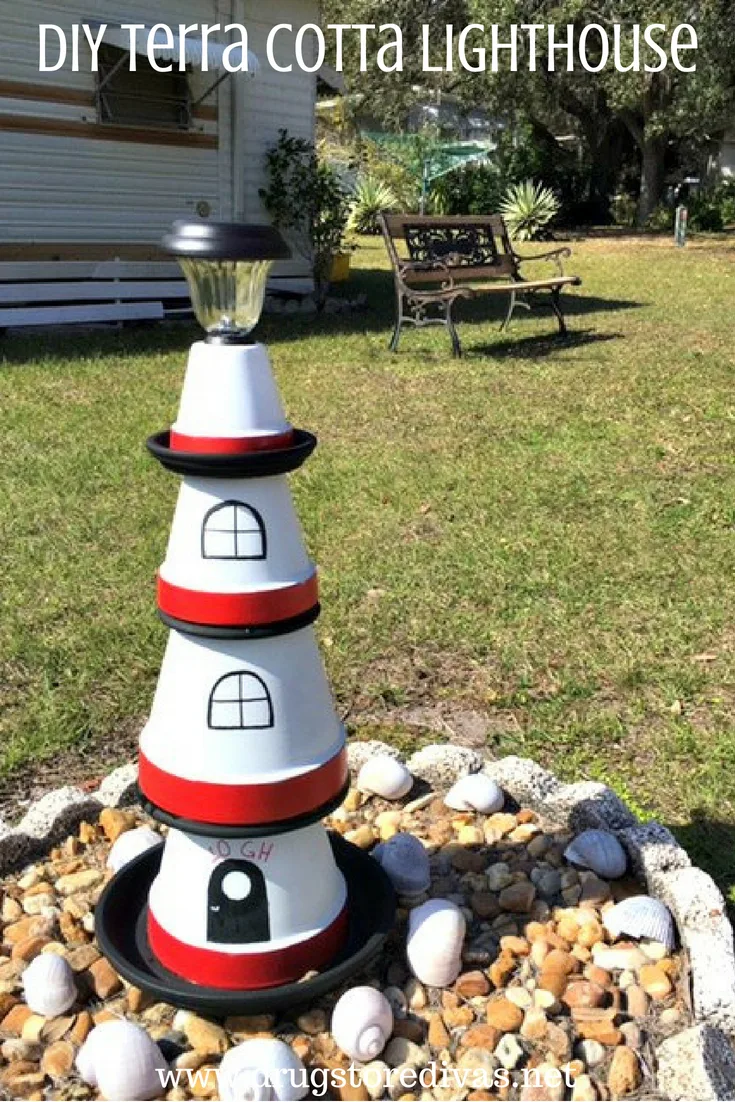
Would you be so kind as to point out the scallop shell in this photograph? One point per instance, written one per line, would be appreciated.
(122, 1062)
(600, 851)
(641, 916)
(436, 932)
(406, 862)
(475, 792)
(48, 985)
(130, 844)
(262, 1070)
(362, 1022)
(384, 776)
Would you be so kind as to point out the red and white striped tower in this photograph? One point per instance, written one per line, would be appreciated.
(243, 752)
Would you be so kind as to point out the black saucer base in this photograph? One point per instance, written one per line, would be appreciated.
(225, 465)
(227, 631)
(223, 830)
(121, 928)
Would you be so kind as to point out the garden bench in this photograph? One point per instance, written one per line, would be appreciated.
(457, 256)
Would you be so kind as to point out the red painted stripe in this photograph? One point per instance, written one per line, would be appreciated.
(249, 971)
(265, 606)
(242, 804)
(229, 445)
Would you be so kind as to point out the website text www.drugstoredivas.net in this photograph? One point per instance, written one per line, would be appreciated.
(377, 1078)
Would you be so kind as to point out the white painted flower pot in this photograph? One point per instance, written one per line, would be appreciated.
(250, 913)
(230, 403)
(235, 555)
(242, 731)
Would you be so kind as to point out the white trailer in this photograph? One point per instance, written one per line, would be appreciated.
(94, 167)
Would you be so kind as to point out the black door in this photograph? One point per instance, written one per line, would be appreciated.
(237, 904)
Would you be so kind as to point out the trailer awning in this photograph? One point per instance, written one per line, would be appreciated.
(193, 51)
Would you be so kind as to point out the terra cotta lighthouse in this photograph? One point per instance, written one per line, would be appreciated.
(243, 753)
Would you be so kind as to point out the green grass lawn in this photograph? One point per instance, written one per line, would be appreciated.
(541, 535)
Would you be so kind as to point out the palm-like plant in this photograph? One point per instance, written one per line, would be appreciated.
(528, 209)
(371, 196)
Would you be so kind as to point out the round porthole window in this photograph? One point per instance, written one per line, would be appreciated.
(236, 886)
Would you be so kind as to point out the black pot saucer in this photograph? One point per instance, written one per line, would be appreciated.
(253, 631)
(257, 464)
(121, 929)
(223, 830)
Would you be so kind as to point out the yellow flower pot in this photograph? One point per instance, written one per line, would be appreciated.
(340, 271)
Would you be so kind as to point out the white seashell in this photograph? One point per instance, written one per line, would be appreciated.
(641, 916)
(406, 862)
(600, 851)
(384, 776)
(48, 985)
(475, 792)
(436, 932)
(262, 1070)
(122, 1062)
(362, 1022)
(130, 844)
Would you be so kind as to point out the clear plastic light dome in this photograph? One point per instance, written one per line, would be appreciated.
(227, 295)
(226, 265)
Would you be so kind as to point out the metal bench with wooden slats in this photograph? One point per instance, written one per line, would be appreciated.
(458, 256)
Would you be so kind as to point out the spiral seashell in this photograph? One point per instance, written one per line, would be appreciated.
(436, 933)
(130, 844)
(406, 862)
(48, 985)
(475, 792)
(600, 851)
(384, 776)
(362, 1022)
(641, 916)
(262, 1070)
(122, 1062)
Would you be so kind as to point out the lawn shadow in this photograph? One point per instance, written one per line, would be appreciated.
(711, 845)
(581, 304)
(377, 316)
(22, 347)
(539, 345)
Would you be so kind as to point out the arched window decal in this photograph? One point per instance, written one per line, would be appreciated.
(233, 530)
(240, 702)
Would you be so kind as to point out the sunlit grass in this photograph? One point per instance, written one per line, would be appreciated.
(541, 532)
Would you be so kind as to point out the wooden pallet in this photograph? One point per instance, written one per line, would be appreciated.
(41, 292)
(86, 291)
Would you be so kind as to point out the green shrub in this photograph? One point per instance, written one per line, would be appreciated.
(722, 196)
(623, 209)
(728, 211)
(529, 209)
(371, 197)
(705, 215)
(375, 162)
(661, 220)
(306, 199)
(474, 189)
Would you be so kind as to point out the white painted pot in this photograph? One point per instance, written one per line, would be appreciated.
(242, 731)
(247, 913)
(235, 555)
(229, 394)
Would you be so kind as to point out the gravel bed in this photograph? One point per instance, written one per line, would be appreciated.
(543, 986)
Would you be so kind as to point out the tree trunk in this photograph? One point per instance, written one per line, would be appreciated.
(608, 151)
(653, 171)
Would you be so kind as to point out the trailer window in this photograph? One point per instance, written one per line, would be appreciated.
(142, 98)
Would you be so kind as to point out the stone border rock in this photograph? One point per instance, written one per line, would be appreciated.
(58, 813)
(697, 1063)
